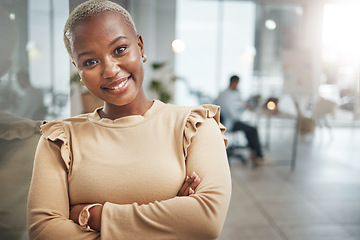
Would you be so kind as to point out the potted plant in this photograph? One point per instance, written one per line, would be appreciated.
(162, 80)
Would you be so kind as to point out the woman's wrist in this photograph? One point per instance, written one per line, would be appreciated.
(95, 217)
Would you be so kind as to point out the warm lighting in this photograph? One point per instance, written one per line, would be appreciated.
(271, 105)
(270, 24)
(178, 46)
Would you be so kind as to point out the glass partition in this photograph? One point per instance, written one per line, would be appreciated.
(218, 38)
(36, 83)
(308, 50)
(341, 54)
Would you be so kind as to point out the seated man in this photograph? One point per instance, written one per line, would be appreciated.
(231, 108)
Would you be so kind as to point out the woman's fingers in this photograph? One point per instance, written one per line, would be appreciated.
(184, 188)
(196, 181)
(189, 185)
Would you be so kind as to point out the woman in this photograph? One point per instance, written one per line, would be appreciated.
(120, 172)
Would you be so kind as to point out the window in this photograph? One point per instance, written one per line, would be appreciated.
(40, 53)
(219, 42)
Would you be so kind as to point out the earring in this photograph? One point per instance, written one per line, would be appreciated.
(144, 58)
(82, 83)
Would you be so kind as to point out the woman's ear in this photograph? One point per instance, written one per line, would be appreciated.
(141, 45)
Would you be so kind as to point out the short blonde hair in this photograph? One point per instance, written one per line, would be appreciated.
(88, 9)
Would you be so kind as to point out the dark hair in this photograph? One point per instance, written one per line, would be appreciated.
(234, 78)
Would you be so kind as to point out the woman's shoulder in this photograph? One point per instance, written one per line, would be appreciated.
(200, 113)
(55, 128)
(192, 115)
(204, 110)
(207, 116)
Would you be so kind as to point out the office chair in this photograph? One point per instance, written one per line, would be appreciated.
(236, 144)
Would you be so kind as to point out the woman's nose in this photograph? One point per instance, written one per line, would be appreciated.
(111, 67)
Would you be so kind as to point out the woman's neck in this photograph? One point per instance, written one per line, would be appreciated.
(113, 112)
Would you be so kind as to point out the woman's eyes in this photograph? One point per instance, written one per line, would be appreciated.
(90, 62)
(119, 50)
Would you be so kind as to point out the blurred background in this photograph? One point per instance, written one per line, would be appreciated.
(303, 53)
(194, 46)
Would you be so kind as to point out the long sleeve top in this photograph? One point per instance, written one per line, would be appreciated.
(135, 166)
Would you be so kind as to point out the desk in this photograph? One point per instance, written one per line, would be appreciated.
(285, 116)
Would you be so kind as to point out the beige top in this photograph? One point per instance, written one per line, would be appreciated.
(135, 166)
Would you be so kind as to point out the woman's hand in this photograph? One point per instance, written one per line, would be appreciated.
(189, 185)
(75, 212)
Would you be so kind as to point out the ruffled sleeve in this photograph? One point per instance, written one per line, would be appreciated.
(196, 117)
(54, 132)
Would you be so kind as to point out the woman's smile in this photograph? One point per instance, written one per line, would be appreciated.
(118, 86)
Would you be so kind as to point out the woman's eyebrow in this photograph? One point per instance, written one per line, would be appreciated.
(116, 39)
(82, 54)
(110, 44)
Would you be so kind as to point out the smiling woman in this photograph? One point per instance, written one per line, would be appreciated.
(116, 57)
(126, 170)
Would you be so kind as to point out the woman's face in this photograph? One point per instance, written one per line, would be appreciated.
(108, 56)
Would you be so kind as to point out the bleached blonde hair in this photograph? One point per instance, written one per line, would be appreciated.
(88, 9)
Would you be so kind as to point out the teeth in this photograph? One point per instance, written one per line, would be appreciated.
(119, 86)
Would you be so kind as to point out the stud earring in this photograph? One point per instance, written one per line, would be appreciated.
(82, 83)
(144, 58)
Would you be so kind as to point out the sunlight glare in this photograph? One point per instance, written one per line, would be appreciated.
(341, 31)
